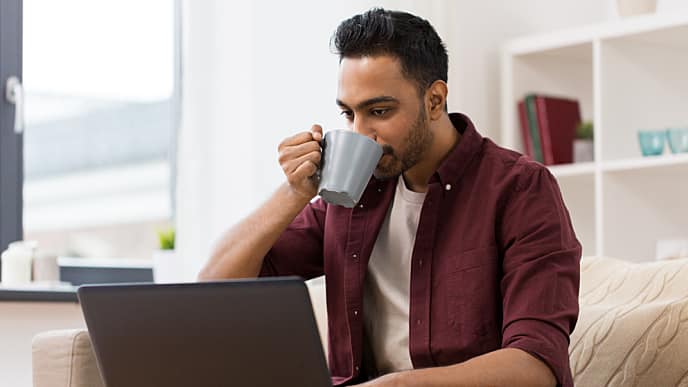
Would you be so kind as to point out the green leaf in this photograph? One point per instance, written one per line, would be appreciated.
(584, 130)
(166, 238)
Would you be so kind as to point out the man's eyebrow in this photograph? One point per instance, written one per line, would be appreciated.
(368, 102)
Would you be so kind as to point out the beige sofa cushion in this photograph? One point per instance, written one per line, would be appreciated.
(64, 358)
(633, 325)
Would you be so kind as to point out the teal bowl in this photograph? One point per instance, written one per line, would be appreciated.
(678, 140)
(651, 142)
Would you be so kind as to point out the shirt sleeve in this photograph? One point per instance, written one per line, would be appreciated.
(299, 250)
(541, 270)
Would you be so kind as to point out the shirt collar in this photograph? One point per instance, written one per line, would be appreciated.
(463, 153)
(459, 157)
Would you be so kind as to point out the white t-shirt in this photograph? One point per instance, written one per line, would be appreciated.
(388, 281)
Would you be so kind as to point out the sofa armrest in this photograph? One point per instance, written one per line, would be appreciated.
(64, 358)
(633, 324)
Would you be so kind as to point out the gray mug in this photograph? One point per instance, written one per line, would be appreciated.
(348, 161)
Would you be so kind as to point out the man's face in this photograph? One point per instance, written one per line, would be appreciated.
(378, 101)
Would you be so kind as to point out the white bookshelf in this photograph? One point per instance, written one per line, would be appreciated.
(628, 75)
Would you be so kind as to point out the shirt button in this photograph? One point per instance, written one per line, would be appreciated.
(447, 187)
(419, 322)
(420, 262)
(357, 368)
(355, 312)
(360, 205)
(354, 256)
(379, 190)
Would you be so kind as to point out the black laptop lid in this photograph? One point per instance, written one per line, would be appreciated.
(259, 332)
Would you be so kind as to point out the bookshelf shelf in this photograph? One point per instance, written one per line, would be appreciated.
(627, 75)
(646, 25)
(572, 170)
(645, 163)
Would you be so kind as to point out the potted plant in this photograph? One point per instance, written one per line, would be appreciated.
(166, 265)
(583, 148)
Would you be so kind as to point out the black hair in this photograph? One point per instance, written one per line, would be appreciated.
(409, 38)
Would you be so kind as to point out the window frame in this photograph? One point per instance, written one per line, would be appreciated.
(11, 143)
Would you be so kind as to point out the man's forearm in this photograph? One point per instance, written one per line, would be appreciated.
(240, 252)
(505, 367)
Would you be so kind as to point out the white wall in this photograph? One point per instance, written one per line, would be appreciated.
(482, 27)
(256, 72)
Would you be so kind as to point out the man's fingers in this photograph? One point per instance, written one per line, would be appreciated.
(295, 151)
(304, 171)
(299, 157)
(315, 134)
(290, 166)
(296, 139)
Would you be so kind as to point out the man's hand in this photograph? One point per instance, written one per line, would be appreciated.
(299, 157)
(389, 380)
(503, 367)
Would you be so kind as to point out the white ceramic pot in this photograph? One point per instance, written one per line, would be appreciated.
(16, 265)
(167, 266)
(628, 8)
(583, 151)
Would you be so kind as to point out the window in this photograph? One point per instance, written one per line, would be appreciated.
(10, 142)
(101, 85)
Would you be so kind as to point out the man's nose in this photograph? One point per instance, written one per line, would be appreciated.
(362, 126)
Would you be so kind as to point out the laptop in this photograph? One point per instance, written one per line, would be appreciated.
(250, 332)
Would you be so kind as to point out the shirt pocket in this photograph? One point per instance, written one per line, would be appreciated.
(473, 295)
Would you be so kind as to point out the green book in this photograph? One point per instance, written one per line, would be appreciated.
(534, 128)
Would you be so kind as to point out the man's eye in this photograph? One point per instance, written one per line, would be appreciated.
(379, 112)
(347, 114)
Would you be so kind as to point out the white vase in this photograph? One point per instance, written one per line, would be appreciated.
(635, 7)
(16, 265)
(167, 266)
(583, 151)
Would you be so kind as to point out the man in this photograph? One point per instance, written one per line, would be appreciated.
(459, 266)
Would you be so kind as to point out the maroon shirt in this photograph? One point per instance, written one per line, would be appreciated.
(495, 262)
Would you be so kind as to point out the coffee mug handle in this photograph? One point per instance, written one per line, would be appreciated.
(318, 172)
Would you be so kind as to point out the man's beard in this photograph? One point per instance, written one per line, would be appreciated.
(416, 144)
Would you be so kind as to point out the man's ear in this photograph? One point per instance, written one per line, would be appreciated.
(436, 97)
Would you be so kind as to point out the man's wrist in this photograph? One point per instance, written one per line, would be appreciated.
(294, 198)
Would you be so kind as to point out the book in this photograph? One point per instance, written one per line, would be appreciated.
(557, 119)
(525, 129)
(533, 128)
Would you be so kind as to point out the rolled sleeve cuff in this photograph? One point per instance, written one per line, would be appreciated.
(544, 341)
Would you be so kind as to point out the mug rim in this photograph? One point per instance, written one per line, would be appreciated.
(350, 133)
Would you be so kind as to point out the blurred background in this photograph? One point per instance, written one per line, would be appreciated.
(153, 125)
(141, 116)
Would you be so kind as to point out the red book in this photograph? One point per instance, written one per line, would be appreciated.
(525, 129)
(557, 120)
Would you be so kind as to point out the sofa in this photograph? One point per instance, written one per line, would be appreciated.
(632, 330)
